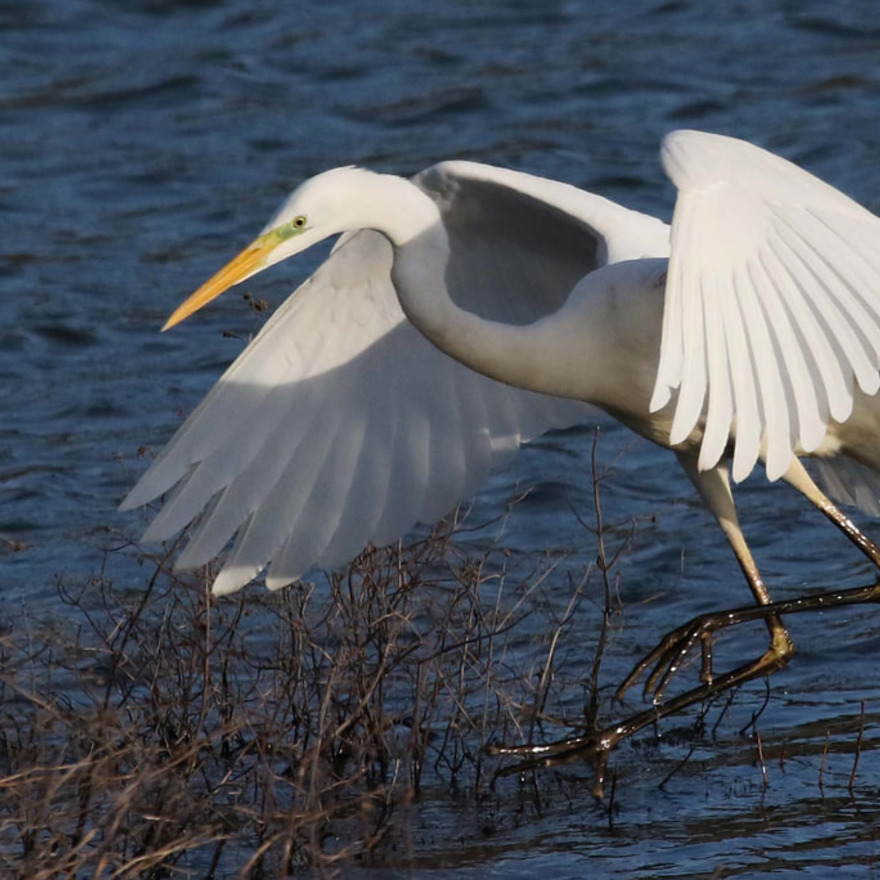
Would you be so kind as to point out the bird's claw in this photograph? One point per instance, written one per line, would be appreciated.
(669, 655)
(578, 746)
(593, 747)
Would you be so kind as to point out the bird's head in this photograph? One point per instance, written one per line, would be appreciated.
(324, 205)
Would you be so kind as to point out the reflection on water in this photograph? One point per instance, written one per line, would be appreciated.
(143, 143)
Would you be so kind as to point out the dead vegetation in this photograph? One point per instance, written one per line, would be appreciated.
(160, 732)
(155, 731)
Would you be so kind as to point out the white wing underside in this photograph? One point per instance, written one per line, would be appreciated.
(772, 307)
(340, 425)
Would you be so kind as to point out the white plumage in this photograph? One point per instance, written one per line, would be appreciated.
(342, 425)
(772, 307)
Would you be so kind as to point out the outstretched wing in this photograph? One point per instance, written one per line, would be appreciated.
(340, 425)
(772, 306)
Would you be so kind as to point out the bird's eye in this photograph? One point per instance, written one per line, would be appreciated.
(299, 222)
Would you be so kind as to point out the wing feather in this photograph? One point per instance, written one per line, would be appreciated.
(826, 359)
(775, 390)
(782, 272)
(841, 284)
(827, 311)
(720, 413)
(692, 394)
(374, 470)
(745, 395)
(858, 271)
(825, 291)
(806, 421)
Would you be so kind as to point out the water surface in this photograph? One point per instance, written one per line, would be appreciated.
(143, 143)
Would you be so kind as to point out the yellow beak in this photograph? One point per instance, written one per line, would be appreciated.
(251, 258)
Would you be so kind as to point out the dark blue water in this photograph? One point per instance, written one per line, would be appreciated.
(142, 143)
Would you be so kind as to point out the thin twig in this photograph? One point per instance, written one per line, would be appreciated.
(761, 759)
(824, 760)
(852, 775)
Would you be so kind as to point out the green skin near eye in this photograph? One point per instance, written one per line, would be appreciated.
(282, 233)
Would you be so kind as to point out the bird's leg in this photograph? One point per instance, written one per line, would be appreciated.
(798, 477)
(666, 659)
(708, 623)
(597, 747)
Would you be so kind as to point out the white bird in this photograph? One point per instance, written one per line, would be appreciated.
(341, 425)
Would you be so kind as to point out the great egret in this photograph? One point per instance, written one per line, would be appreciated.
(340, 425)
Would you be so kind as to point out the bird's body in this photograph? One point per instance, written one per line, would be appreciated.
(747, 332)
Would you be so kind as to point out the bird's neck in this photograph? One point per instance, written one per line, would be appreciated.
(509, 353)
(397, 208)
(413, 224)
